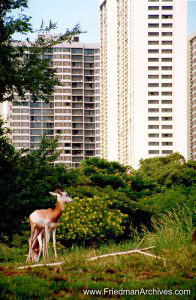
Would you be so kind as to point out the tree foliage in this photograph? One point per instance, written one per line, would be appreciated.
(22, 67)
(26, 177)
(25, 181)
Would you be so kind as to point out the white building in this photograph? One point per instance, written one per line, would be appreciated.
(192, 96)
(143, 79)
(73, 112)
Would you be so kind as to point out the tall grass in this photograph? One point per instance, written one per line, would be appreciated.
(172, 237)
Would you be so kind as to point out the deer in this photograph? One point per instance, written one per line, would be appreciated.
(43, 222)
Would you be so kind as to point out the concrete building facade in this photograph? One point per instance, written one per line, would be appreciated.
(192, 96)
(73, 112)
(144, 79)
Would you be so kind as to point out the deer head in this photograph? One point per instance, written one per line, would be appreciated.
(62, 196)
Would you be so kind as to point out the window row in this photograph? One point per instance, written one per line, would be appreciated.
(165, 7)
(164, 68)
(157, 110)
(158, 152)
(157, 42)
(157, 16)
(162, 84)
(154, 135)
(157, 101)
(157, 118)
(156, 25)
(162, 33)
(162, 93)
(163, 143)
(156, 76)
(157, 127)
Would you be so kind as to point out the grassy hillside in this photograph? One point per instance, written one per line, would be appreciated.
(110, 277)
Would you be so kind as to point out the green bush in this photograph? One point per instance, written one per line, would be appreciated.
(169, 200)
(90, 220)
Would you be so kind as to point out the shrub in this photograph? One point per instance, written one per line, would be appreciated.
(90, 220)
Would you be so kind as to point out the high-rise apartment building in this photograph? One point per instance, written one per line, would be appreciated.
(192, 96)
(73, 112)
(143, 79)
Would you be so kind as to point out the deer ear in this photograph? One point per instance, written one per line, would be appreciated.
(53, 194)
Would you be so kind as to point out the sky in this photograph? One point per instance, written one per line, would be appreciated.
(67, 13)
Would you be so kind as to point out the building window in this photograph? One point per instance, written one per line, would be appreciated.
(166, 118)
(153, 76)
(166, 135)
(153, 34)
(153, 135)
(153, 7)
(166, 76)
(153, 151)
(167, 25)
(153, 59)
(153, 51)
(166, 42)
(153, 68)
(88, 51)
(153, 16)
(153, 25)
(153, 101)
(167, 143)
(152, 110)
(153, 93)
(153, 143)
(167, 7)
(167, 151)
(153, 118)
(76, 50)
(167, 16)
(166, 51)
(166, 59)
(153, 42)
(166, 33)
(166, 101)
(166, 93)
(153, 126)
(166, 109)
(166, 68)
(153, 84)
(166, 84)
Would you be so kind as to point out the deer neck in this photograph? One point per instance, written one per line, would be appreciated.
(57, 211)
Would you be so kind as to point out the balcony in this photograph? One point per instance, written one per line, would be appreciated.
(78, 126)
(77, 98)
(77, 139)
(77, 92)
(77, 145)
(88, 79)
(77, 112)
(77, 132)
(77, 159)
(77, 152)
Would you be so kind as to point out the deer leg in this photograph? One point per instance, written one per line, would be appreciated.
(30, 254)
(41, 241)
(47, 237)
(44, 244)
(35, 243)
(54, 242)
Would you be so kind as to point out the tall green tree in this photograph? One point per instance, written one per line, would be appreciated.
(22, 67)
(25, 181)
